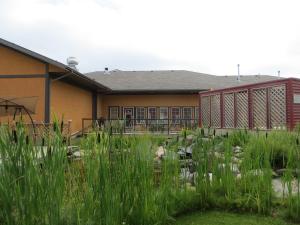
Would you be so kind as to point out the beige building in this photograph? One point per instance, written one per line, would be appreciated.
(143, 99)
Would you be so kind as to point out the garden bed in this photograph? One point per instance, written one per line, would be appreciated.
(120, 179)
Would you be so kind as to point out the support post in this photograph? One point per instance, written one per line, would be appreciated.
(234, 110)
(222, 109)
(268, 109)
(250, 109)
(47, 95)
(94, 106)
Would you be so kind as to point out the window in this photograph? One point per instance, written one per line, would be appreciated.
(187, 113)
(152, 116)
(196, 117)
(114, 112)
(140, 115)
(163, 114)
(175, 115)
(152, 113)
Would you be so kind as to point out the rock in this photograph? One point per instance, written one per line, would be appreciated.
(186, 175)
(73, 152)
(236, 160)
(77, 154)
(185, 152)
(233, 167)
(239, 155)
(295, 172)
(274, 174)
(237, 149)
(190, 137)
(219, 155)
(281, 189)
(181, 154)
(160, 152)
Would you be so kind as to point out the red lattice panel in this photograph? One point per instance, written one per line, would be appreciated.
(205, 111)
(242, 109)
(277, 97)
(215, 111)
(228, 102)
(260, 108)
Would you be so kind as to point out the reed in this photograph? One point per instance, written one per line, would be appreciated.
(118, 180)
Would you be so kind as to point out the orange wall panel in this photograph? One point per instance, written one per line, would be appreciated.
(55, 69)
(71, 103)
(145, 100)
(25, 87)
(14, 63)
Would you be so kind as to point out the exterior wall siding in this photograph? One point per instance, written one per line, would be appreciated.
(70, 103)
(22, 76)
(25, 87)
(15, 63)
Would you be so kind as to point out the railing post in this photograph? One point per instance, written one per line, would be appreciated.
(234, 110)
(146, 121)
(168, 126)
(82, 125)
(268, 110)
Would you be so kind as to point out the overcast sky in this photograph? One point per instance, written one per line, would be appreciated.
(209, 36)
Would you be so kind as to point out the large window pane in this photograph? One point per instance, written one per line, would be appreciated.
(175, 115)
(152, 115)
(163, 114)
(140, 115)
(114, 113)
(187, 113)
(196, 117)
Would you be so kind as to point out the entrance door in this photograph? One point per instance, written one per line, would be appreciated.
(128, 116)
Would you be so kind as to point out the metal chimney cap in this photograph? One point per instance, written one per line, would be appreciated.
(106, 71)
(72, 62)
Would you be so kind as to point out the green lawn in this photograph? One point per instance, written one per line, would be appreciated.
(224, 218)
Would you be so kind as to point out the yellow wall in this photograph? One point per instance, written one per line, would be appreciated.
(25, 87)
(15, 63)
(71, 103)
(145, 100)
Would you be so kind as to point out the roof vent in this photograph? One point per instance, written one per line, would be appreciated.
(106, 71)
(238, 75)
(72, 63)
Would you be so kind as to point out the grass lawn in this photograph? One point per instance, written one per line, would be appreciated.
(224, 218)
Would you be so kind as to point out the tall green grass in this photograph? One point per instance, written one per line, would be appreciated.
(31, 180)
(113, 183)
(118, 179)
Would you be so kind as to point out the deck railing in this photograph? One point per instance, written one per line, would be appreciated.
(128, 126)
(39, 130)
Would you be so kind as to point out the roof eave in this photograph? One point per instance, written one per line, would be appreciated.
(45, 59)
(160, 91)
